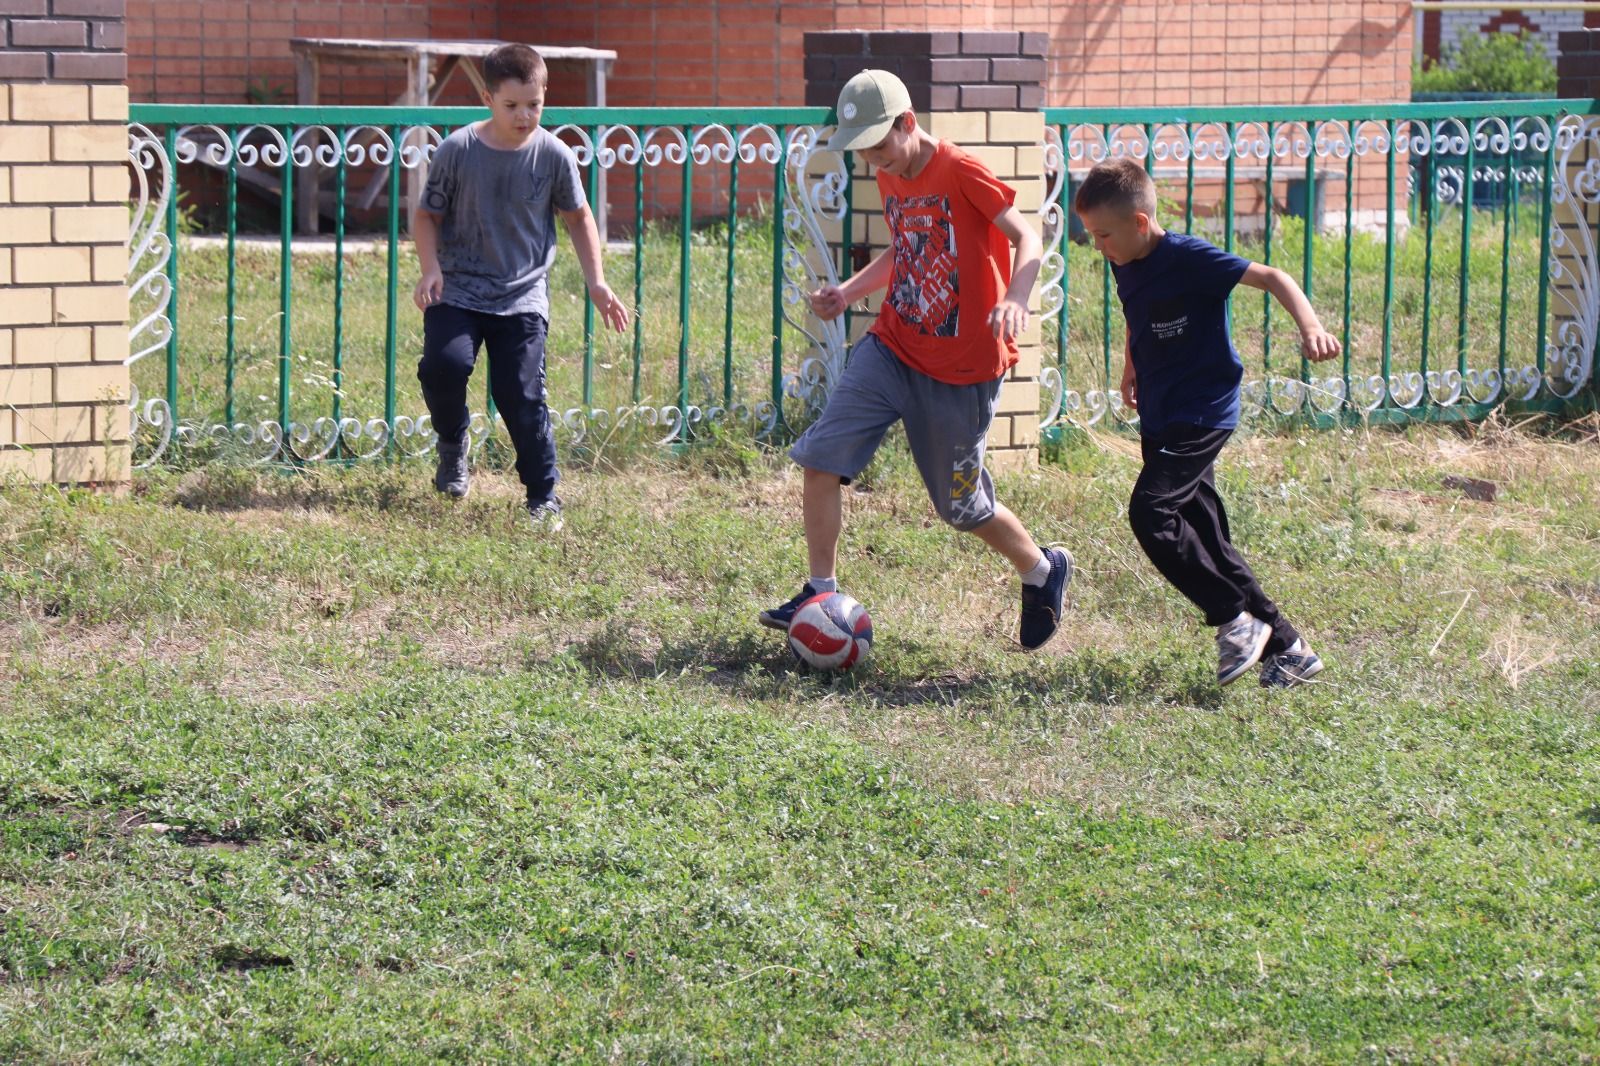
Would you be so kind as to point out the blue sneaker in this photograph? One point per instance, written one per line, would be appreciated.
(1290, 668)
(779, 617)
(1041, 605)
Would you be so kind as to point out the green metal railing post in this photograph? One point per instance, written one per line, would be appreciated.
(588, 297)
(230, 298)
(727, 296)
(1266, 254)
(1311, 227)
(1064, 246)
(391, 309)
(339, 184)
(1468, 185)
(778, 207)
(1546, 223)
(1505, 258)
(685, 234)
(171, 144)
(1388, 260)
(1430, 207)
(1188, 181)
(1349, 242)
(286, 289)
(637, 392)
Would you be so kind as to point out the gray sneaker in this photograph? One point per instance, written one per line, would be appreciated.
(546, 515)
(1239, 646)
(452, 478)
(1290, 668)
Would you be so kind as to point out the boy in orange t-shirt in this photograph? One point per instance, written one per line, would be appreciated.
(938, 352)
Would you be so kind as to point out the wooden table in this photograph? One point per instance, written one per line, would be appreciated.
(424, 85)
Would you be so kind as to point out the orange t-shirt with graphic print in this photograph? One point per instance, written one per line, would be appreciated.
(951, 266)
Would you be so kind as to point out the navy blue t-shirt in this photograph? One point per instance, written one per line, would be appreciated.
(1176, 303)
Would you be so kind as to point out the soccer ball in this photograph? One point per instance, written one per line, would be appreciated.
(831, 631)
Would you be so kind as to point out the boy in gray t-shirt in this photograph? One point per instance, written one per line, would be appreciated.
(485, 233)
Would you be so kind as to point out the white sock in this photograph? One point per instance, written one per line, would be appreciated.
(1039, 574)
(824, 584)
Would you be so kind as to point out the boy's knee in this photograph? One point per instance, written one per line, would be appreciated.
(439, 368)
(1146, 512)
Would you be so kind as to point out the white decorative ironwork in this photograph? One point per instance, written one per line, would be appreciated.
(1574, 264)
(1507, 154)
(149, 289)
(817, 183)
(815, 180)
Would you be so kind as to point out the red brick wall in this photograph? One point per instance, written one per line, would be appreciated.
(1246, 52)
(217, 51)
(734, 52)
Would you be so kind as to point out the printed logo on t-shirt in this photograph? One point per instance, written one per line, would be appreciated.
(925, 288)
(1169, 319)
(538, 187)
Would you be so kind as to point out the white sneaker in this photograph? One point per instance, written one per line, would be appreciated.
(1239, 646)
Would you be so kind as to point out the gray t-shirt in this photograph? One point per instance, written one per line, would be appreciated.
(497, 235)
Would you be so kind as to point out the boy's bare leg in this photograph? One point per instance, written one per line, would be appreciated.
(1004, 533)
(824, 521)
(1044, 575)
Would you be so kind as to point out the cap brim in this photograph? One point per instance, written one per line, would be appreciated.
(854, 138)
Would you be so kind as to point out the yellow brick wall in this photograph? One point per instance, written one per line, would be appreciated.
(63, 299)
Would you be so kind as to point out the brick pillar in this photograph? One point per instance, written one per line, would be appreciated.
(63, 241)
(980, 90)
(1578, 76)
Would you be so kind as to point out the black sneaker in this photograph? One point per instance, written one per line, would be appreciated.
(779, 617)
(452, 478)
(546, 515)
(1041, 605)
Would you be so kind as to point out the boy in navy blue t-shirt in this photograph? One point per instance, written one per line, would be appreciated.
(1182, 376)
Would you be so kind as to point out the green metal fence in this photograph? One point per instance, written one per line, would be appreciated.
(293, 348)
(719, 331)
(1446, 310)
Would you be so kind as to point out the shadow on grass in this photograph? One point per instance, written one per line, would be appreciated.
(759, 666)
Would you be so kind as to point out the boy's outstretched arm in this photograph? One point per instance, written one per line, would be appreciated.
(1010, 316)
(1317, 342)
(829, 302)
(586, 245)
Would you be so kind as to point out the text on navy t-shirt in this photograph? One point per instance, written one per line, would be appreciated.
(1176, 302)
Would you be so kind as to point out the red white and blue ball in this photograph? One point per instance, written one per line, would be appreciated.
(831, 631)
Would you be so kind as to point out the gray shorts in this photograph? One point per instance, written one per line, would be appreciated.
(946, 425)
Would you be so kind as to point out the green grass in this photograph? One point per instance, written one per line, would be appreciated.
(203, 316)
(322, 767)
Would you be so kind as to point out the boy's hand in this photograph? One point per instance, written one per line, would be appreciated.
(612, 310)
(429, 289)
(1319, 345)
(1130, 387)
(827, 303)
(1008, 319)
